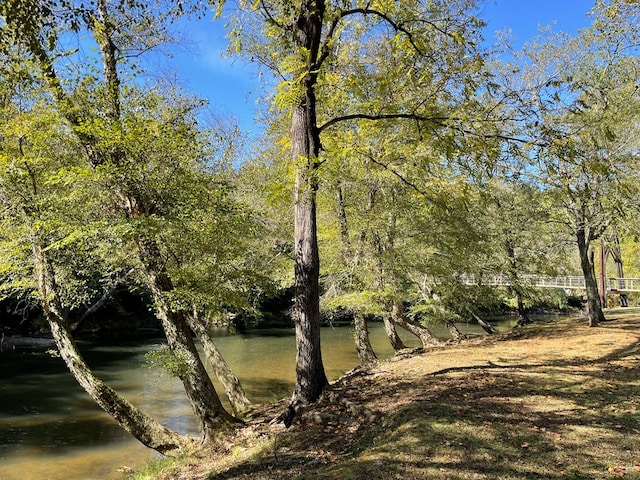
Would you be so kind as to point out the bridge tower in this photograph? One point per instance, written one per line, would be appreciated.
(610, 245)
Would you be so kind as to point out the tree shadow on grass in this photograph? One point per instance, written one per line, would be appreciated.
(568, 419)
(573, 418)
(506, 426)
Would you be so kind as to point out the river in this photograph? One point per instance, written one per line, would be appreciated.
(51, 429)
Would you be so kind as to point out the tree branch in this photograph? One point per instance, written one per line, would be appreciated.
(388, 116)
(396, 26)
(439, 121)
(270, 17)
(404, 180)
(99, 303)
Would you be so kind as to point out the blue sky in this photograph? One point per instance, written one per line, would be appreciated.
(233, 87)
(525, 16)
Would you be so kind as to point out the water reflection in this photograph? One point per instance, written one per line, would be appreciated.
(51, 429)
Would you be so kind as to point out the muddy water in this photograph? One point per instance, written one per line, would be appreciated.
(50, 428)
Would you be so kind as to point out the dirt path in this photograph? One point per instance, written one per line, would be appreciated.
(555, 400)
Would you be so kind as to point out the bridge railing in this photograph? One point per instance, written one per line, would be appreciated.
(623, 284)
(567, 282)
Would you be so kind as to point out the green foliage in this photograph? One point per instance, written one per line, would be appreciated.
(49, 199)
(433, 311)
(91, 175)
(174, 363)
(582, 111)
(366, 302)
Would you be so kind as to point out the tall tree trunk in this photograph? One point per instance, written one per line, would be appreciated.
(617, 258)
(363, 346)
(230, 383)
(427, 338)
(602, 273)
(392, 334)
(389, 323)
(513, 276)
(596, 316)
(311, 378)
(144, 428)
(347, 253)
(310, 375)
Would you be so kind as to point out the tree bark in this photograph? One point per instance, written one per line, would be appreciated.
(523, 318)
(144, 428)
(363, 346)
(228, 380)
(427, 338)
(311, 379)
(392, 334)
(456, 336)
(486, 326)
(204, 399)
(594, 307)
(310, 375)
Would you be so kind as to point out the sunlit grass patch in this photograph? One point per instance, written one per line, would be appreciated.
(160, 468)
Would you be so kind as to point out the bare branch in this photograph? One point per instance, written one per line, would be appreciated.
(270, 17)
(403, 179)
(388, 116)
(398, 27)
(439, 121)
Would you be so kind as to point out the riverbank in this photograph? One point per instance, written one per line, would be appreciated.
(553, 400)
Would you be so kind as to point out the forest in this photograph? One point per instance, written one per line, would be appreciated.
(400, 153)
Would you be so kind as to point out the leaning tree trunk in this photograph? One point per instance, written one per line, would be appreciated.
(596, 316)
(228, 380)
(486, 326)
(456, 336)
(427, 338)
(392, 334)
(198, 386)
(363, 346)
(98, 304)
(204, 399)
(144, 428)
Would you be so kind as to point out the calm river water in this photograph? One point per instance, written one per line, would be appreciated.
(51, 429)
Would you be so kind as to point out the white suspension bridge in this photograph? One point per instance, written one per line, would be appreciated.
(613, 285)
